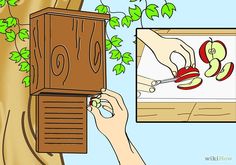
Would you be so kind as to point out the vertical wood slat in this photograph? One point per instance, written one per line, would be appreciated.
(61, 123)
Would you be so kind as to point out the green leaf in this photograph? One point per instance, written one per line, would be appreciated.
(127, 58)
(135, 13)
(24, 66)
(114, 22)
(133, 0)
(24, 34)
(151, 11)
(12, 2)
(115, 40)
(3, 26)
(115, 54)
(11, 21)
(126, 21)
(25, 53)
(2, 3)
(102, 9)
(119, 68)
(26, 81)
(11, 36)
(15, 56)
(168, 9)
(108, 45)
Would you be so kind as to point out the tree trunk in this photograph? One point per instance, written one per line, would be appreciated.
(17, 108)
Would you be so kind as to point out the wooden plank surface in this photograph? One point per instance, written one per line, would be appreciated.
(196, 32)
(172, 111)
(61, 123)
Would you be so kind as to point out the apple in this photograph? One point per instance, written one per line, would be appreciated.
(184, 70)
(95, 102)
(212, 49)
(196, 82)
(186, 73)
(226, 71)
(187, 76)
(215, 66)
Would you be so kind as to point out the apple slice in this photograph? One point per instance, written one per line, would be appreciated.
(212, 49)
(184, 71)
(226, 71)
(187, 76)
(196, 82)
(184, 74)
(214, 69)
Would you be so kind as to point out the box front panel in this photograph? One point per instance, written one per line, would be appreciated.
(77, 55)
(61, 124)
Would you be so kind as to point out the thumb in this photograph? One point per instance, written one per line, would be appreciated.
(173, 68)
(96, 112)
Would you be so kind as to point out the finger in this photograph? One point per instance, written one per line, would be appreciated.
(106, 104)
(145, 88)
(117, 96)
(172, 67)
(108, 109)
(112, 100)
(96, 113)
(185, 54)
(145, 80)
(191, 53)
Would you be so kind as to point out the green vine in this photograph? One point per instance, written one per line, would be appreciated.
(135, 13)
(10, 27)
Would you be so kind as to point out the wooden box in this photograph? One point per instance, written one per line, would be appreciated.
(67, 52)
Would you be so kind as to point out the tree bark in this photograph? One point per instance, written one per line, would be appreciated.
(17, 108)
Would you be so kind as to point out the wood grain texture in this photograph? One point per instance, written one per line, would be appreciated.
(61, 124)
(196, 32)
(172, 111)
(68, 54)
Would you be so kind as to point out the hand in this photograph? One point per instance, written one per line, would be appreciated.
(164, 47)
(114, 126)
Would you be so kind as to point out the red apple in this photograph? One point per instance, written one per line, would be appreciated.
(184, 74)
(215, 66)
(226, 71)
(212, 49)
(196, 82)
(187, 76)
(183, 71)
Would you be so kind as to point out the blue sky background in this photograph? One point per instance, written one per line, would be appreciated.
(163, 144)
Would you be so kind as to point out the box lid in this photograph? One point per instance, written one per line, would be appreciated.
(70, 13)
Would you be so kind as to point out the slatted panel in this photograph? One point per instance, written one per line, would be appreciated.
(61, 123)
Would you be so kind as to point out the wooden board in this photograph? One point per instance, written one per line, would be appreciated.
(61, 123)
(182, 112)
(67, 52)
(186, 111)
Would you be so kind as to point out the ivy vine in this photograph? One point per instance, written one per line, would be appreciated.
(133, 14)
(10, 27)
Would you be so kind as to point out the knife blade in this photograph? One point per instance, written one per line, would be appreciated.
(158, 82)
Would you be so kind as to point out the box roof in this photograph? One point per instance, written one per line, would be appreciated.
(70, 13)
